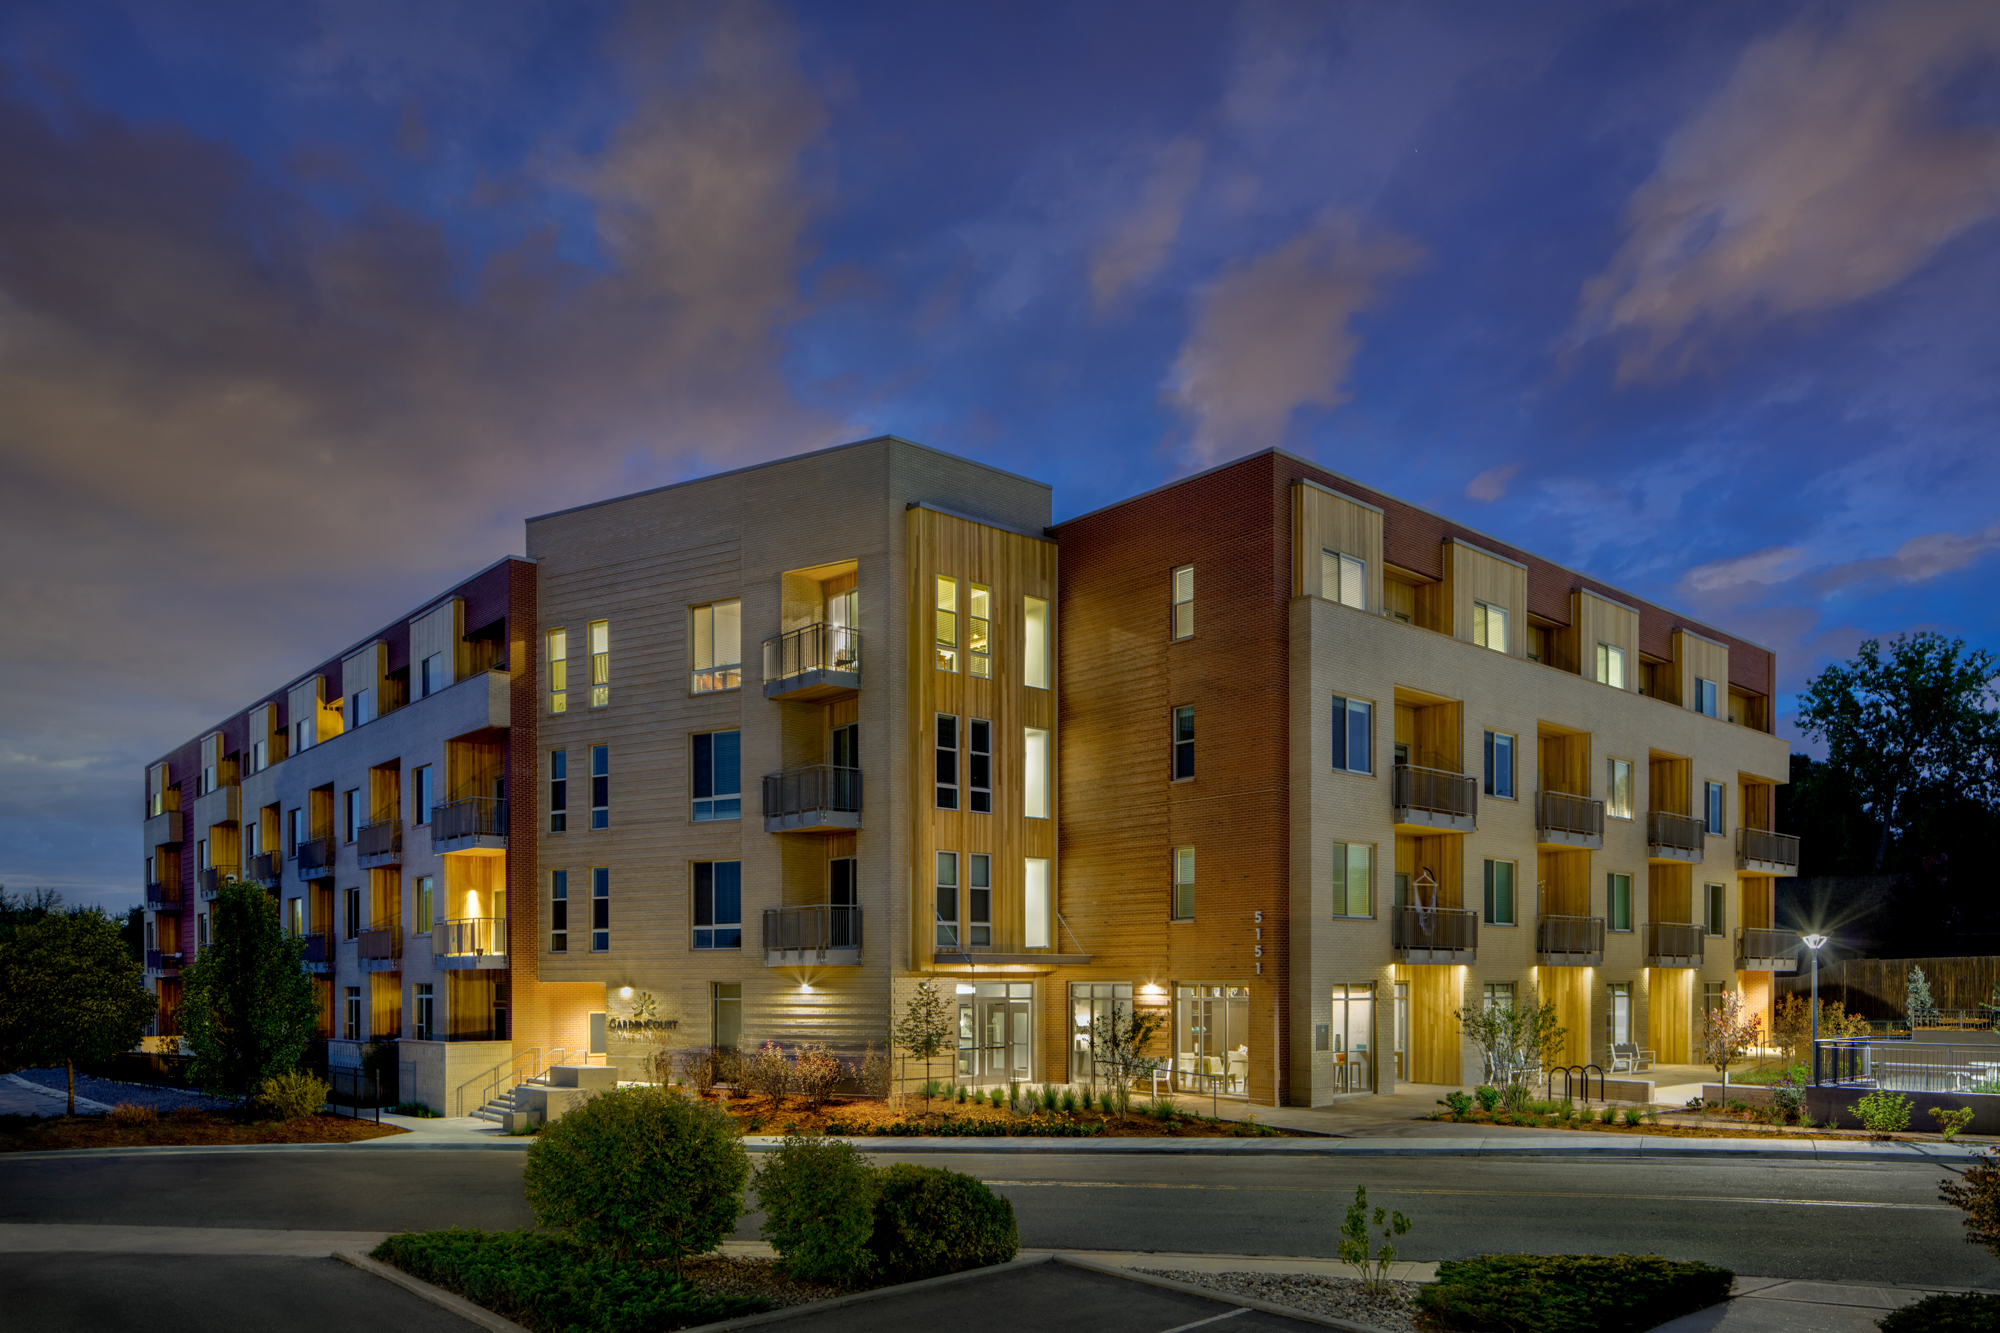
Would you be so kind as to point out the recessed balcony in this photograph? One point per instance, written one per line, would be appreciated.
(1434, 934)
(315, 858)
(476, 826)
(318, 957)
(265, 869)
(379, 844)
(1763, 950)
(816, 662)
(818, 799)
(380, 949)
(161, 897)
(1431, 798)
(1570, 941)
(470, 943)
(1675, 837)
(162, 962)
(1674, 944)
(213, 878)
(1763, 852)
(822, 934)
(1563, 820)
(163, 829)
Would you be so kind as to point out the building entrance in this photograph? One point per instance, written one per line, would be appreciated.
(995, 1032)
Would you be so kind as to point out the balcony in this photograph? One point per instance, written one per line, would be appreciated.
(315, 858)
(822, 934)
(1674, 944)
(265, 869)
(220, 804)
(379, 844)
(819, 799)
(476, 826)
(470, 943)
(1434, 935)
(1563, 820)
(1430, 798)
(1570, 941)
(1675, 837)
(163, 897)
(818, 662)
(318, 955)
(163, 963)
(1766, 853)
(163, 829)
(1762, 950)
(380, 949)
(213, 878)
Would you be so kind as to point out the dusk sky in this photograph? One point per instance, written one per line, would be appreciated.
(304, 308)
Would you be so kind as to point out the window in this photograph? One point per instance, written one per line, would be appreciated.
(600, 786)
(1499, 893)
(260, 756)
(1183, 905)
(979, 767)
(432, 670)
(1610, 666)
(1618, 901)
(201, 930)
(1353, 879)
(350, 814)
(1489, 626)
(351, 913)
(947, 762)
(946, 900)
(725, 1013)
(201, 854)
(1712, 994)
(945, 631)
(600, 663)
(424, 793)
(1618, 788)
(1500, 749)
(426, 903)
(718, 647)
(350, 1027)
(295, 917)
(1036, 902)
(1497, 994)
(426, 1024)
(364, 707)
(1713, 804)
(559, 911)
(1618, 1012)
(558, 671)
(1035, 643)
(718, 776)
(1716, 903)
(718, 904)
(294, 831)
(1184, 602)
(1704, 697)
(156, 790)
(1035, 773)
(1343, 579)
(979, 898)
(1091, 1003)
(1183, 743)
(979, 631)
(1353, 735)
(600, 909)
(558, 790)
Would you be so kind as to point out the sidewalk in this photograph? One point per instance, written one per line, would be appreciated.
(20, 1096)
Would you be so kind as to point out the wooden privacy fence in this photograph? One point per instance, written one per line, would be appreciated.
(1875, 987)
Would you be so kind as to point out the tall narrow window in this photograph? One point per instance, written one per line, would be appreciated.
(1500, 748)
(351, 912)
(1184, 602)
(1183, 743)
(1183, 904)
(1037, 903)
(350, 814)
(1036, 781)
(432, 668)
(1618, 901)
(718, 904)
(351, 1013)
(946, 903)
(947, 762)
(426, 903)
(979, 766)
(1618, 788)
(1353, 735)
(295, 820)
(1704, 697)
(718, 647)
(558, 671)
(558, 790)
(725, 1004)
(1499, 893)
(1353, 879)
(424, 792)
(1489, 626)
(1611, 666)
(364, 707)
(1618, 1012)
(718, 776)
(1714, 806)
(600, 909)
(600, 786)
(295, 917)
(1035, 643)
(1716, 904)
(979, 899)
(945, 630)
(600, 663)
(426, 1007)
(979, 631)
(559, 911)
(1343, 579)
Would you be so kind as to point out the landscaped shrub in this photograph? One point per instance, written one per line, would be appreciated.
(816, 1072)
(553, 1285)
(188, 1115)
(1632, 1117)
(1569, 1293)
(1967, 1313)
(1459, 1104)
(930, 1221)
(1884, 1112)
(818, 1197)
(127, 1115)
(1949, 1123)
(292, 1095)
(767, 1072)
(1488, 1097)
(641, 1173)
(1977, 1193)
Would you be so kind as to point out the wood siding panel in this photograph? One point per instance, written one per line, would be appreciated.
(1477, 575)
(1324, 521)
(1601, 621)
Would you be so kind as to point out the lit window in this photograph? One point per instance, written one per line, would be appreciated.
(979, 631)
(979, 767)
(559, 911)
(1500, 747)
(1183, 743)
(718, 647)
(600, 786)
(600, 663)
(1343, 579)
(979, 899)
(718, 776)
(1611, 666)
(558, 791)
(1704, 697)
(1353, 879)
(1489, 626)
(1035, 643)
(1036, 902)
(558, 670)
(947, 900)
(426, 903)
(1353, 735)
(1183, 883)
(1184, 602)
(426, 1011)
(1499, 893)
(1618, 789)
(946, 630)
(600, 909)
(1035, 773)
(947, 762)
(718, 904)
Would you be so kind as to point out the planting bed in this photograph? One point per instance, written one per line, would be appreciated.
(188, 1127)
(948, 1117)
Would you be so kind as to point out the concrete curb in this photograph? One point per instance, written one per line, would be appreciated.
(83, 1103)
(438, 1296)
(1226, 1298)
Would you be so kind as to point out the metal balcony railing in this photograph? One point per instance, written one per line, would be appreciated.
(813, 649)
(477, 816)
(1759, 949)
(469, 937)
(1433, 796)
(380, 840)
(161, 896)
(213, 878)
(818, 926)
(265, 868)
(319, 951)
(379, 944)
(1674, 944)
(1434, 930)
(163, 960)
(1570, 936)
(821, 796)
(315, 857)
(1758, 848)
(1578, 820)
(1681, 837)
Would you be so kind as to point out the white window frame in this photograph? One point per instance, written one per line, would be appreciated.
(1343, 578)
(1486, 618)
(1182, 622)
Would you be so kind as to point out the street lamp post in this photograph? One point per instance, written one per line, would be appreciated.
(1815, 943)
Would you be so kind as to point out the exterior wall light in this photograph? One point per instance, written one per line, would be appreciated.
(624, 992)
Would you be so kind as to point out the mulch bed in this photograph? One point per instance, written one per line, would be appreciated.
(46, 1133)
(724, 1275)
(762, 1115)
(1335, 1297)
(1689, 1125)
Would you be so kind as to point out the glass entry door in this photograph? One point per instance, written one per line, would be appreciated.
(1353, 1037)
(1212, 1040)
(995, 1032)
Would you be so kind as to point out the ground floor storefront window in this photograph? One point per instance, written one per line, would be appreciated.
(1092, 1003)
(995, 1031)
(1212, 1039)
(1353, 1037)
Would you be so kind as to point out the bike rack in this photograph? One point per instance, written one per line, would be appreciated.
(1570, 1074)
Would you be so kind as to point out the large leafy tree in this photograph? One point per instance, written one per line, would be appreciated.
(248, 1009)
(69, 991)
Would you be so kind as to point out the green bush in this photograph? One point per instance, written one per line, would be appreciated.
(415, 1110)
(1884, 1112)
(552, 1285)
(818, 1197)
(1488, 1097)
(640, 1173)
(1458, 1103)
(1969, 1313)
(292, 1096)
(1568, 1293)
(930, 1221)
(1949, 1123)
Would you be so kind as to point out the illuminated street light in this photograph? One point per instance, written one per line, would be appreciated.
(1815, 943)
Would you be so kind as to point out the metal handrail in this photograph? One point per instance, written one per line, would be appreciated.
(815, 926)
(316, 855)
(503, 1071)
(816, 787)
(319, 947)
(1681, 832)
(1433, 928)
(1763, 942)
(384, 837)
(1675, 939)
(468, 936)
(1434, 789)
(816, 647)
(1570, 934)
(380, 942)
(1561, 812)
(161, 895)
(1756, 844)
(474, 816)
(265, 866)
(213, 878)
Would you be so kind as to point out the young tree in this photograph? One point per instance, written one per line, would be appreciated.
(1119, 1041)
(1728, 1031)
(69, 992)
(926, 1029)
(1515, 1036)
(1917, 1005)
(248, 1009)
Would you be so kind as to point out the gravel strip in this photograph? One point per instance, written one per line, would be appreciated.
(1339, 1297)
(721, 1275)
(112, 1092)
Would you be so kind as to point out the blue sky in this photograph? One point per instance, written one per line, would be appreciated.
(303, 308)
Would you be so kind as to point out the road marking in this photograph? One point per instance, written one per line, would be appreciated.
(1494, 1194)
(1212, 1319)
